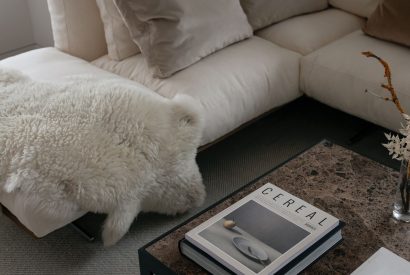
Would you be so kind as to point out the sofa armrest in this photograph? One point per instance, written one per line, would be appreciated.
(52, 64)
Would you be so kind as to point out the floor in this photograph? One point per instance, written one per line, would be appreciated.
(225, 167)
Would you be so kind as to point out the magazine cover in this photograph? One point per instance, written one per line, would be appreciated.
(262, 232)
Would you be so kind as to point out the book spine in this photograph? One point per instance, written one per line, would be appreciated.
(187, 243)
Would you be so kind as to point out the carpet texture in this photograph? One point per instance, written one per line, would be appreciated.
(225, 167)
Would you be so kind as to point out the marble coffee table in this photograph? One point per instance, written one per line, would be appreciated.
(355, 189)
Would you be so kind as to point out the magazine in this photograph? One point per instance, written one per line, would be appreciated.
(384, 261)
(263, 232)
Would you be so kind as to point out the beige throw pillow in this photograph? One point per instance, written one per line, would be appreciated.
(77, 28)
(391, 22)
(262, 13)
(173, 34)
(119, 42)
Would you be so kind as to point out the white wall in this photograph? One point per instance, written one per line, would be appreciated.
(40, 22)
(15, 25)
(24, 25)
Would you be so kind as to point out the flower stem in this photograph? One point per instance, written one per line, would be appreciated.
(404, 181)
(405, 188)
(389, 86)
(407, 199)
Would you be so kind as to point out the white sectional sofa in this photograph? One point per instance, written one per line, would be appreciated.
(316, 54)
(338, 75)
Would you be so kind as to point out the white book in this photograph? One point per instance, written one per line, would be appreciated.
(263, 232)
(384, 262)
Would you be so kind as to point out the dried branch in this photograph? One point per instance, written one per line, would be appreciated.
(378, 96)
(405, 184)
(389, 86)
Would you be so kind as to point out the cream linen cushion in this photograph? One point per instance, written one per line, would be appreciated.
(361, 8)
(262, 13)
(338, 75)
(307, 33)
(119, 42)
(77, 28)
(174, 34)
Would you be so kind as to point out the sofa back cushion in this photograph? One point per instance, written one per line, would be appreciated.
(390, 21)
(262, 13)
(174, 34)
(118, 38)
(361, 8)
(77, 28)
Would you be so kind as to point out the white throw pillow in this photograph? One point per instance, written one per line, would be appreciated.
(174, 34)
(119, 42)
(363, 8)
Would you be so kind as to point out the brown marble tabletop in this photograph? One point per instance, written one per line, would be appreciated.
(353, 188)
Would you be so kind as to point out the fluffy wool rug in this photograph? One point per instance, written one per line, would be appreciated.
(107, 146)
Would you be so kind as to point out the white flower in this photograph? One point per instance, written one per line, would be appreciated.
(399, 147)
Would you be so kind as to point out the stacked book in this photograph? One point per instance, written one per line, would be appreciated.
(268, 232)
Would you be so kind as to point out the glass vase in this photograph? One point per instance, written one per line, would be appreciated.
(401, 203)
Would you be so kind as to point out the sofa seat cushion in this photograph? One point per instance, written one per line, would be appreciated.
(339, 74)
(307, 33)
(233, 85)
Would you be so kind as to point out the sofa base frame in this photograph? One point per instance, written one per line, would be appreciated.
(78, 228)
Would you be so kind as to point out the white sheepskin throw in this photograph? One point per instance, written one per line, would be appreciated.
(106, 146)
